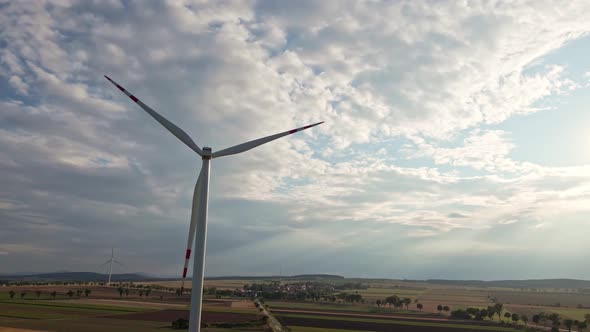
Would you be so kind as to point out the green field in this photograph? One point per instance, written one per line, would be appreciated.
(573, 313)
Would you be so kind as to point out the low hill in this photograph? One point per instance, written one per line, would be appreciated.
(77, 276)
(295, 277)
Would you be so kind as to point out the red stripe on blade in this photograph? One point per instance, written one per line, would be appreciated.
(292, 131)
(133, 98)
(184, 272)
(120, 88)
(188, 253)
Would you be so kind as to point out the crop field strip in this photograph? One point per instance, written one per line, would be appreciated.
(379, 324)
(315, 329)
(207, 317)
(384, 292)
(54, 310)
(54, 315)
(543, 298)
(571, 313)
(229, 310)
(317, 306)
(86, 324)
(75, 306)
(390, 316)
(28, 314)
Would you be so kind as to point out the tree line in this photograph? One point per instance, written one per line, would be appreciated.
(554, 319)
(52, 294)
(396, 302)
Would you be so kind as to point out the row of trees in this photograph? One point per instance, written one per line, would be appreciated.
(50, 283)
(52, 294)
(445, 308)
(490, 312)
(556, 321)
(350, 298)
(498, 309)
(141, 292)
(396, 302)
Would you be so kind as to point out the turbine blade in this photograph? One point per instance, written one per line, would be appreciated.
(175, 130)
(105, 263)
(191, 231)
(257, 142)
(118, 262)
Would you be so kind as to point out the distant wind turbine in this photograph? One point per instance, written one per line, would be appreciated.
(198, 222)
(111, 260)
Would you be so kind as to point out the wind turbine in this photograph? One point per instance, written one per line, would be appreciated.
(198, 224)
(111, 260)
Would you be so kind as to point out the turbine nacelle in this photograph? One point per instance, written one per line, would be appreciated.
(207, 153)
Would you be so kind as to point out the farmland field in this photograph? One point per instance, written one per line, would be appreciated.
(545, 298)
(317, 306)
(106, 309)
(310, 315)
(374, 324)
(221, 284)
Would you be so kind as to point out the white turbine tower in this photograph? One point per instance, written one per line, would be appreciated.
(198, 224)
(111, 260)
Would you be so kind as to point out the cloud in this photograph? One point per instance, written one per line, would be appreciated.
(82, 166)
(456, 215)
(18, 84)
(481, 150)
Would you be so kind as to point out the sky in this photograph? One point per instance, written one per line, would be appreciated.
(455, 143)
